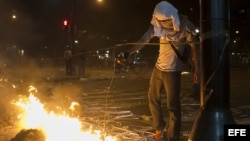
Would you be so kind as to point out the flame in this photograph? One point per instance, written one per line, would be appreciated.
(54, 126)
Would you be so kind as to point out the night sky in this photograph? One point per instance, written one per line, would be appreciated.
(39, 23)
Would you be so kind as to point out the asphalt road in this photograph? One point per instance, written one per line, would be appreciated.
(122, 98)
(126, 94)
(118, 102)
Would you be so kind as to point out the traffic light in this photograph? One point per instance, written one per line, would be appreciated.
(66, 25)
(65, 22)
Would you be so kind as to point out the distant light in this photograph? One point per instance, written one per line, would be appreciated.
(237, 31)
(99, 0)
(76, 41)
(197, 30)
(184, 73)
(13, 16)
(65, 22)
(21, 52)
(242, 11)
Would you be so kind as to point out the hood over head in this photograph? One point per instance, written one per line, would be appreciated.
(165, 10)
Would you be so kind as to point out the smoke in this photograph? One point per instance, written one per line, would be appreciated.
(17, 73)
(62, 97)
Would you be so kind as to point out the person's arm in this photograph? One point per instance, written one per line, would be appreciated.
(147, 36)
(193, 39)
(195, 62)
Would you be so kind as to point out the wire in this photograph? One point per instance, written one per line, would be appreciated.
(224, 33)
(127, 44)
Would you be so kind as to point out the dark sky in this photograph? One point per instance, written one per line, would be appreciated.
(39, 22)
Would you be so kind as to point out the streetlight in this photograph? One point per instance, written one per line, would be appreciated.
(14, 16)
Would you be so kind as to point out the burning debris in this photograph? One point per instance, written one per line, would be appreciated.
(35, 120)
(36, 123)
(29, 135)
(54, 117)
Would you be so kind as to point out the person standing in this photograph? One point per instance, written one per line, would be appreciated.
(68, 61)
(173, 30)
(81, 64)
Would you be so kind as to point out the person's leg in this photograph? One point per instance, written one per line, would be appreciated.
(83, 67)
(67, 67)
(172, 84)
(70, 67)
(154, 99)
(196, 92)
(80, 66)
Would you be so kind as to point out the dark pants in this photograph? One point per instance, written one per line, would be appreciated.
(69, 67)
(171, 81)
(81, 67)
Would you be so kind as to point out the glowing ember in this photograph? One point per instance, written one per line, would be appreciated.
(54, 126)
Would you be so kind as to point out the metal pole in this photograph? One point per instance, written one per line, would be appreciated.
(214, 52)
(215, 89)
(73, 25)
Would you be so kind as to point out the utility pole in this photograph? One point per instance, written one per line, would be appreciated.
(215, 82)
(73, 26)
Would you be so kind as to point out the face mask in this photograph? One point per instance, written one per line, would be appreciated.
(168, 23)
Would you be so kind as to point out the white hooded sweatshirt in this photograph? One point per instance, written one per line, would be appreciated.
(182, 31)
(167, 59)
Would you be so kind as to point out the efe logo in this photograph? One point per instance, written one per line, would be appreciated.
(239, 132)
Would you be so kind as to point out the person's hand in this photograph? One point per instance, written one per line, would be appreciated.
(196, 78)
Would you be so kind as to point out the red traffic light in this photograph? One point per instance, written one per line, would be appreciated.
(65, 22)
